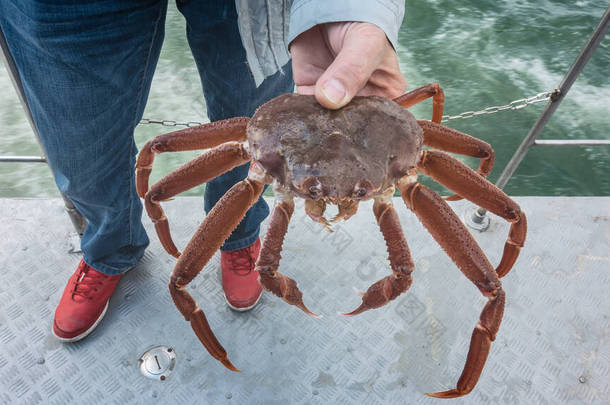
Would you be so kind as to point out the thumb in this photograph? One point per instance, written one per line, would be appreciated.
(350, 71)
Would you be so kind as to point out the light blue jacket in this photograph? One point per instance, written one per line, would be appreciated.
(268, 26)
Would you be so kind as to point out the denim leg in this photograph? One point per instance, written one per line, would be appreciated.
(229, 91)
(86, 70)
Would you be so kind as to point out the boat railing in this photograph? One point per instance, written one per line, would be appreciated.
(478, 219)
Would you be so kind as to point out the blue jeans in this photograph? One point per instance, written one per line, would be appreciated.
(86, 70)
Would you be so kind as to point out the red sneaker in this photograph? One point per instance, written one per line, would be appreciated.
(239, 280)
(83, 303)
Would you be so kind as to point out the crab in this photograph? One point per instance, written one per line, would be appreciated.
(362, 151)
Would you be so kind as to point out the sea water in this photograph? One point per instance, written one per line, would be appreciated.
(483, 53)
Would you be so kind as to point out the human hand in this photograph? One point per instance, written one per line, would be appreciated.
(337, 61)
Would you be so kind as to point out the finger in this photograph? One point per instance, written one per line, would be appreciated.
(308, 90)
(359, 57)
(310, 57)
(372, 90)
(389, 83)
(306, 74)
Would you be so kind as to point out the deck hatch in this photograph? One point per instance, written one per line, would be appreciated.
(158, 362)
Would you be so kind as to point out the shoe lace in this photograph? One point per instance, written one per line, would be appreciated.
(241, 260)
(87, 282)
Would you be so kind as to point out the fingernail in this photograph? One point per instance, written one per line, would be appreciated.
(334, 91)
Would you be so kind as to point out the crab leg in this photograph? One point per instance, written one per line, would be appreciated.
(391, 286)
(211, 164)
(450, 140)
(418, 95)
(269, 258)
(460, 178)
(215, 228)
(445, 226)
(200, 137)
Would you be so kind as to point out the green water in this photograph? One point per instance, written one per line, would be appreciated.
(483, 53)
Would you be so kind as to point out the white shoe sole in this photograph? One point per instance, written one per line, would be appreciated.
(244, 309)
(85, 333)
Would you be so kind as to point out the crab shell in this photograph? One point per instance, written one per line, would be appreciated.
(318, 154)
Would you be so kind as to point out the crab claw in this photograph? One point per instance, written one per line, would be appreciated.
(285, 288)
(308, 312)
(192, 313)
(336, 218)
(230, 366)
(325, 222)
(454, 393)
(454, 197)
(382, 292)
(356, 311)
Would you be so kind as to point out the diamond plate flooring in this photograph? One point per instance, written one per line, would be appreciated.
(553, 346)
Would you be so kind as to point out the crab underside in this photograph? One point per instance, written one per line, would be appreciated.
(360, 152)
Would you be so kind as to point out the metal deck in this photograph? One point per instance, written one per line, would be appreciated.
(553, 346)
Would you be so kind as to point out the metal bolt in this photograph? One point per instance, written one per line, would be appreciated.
(477, 219)
(555, 94)
(479, 215)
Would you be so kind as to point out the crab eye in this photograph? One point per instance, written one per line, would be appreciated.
(313, 187)
(362, 188)
(314, 191)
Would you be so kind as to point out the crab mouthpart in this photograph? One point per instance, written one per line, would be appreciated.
(315, 209)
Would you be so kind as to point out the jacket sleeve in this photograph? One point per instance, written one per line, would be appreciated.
(386, 14)
(268, 26)
(263, 26)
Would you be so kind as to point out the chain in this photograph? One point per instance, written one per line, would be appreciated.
(170, 123)
(513, 105)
